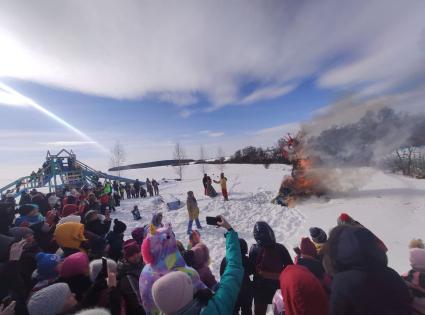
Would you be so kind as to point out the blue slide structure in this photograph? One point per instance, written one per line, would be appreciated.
(58, 171)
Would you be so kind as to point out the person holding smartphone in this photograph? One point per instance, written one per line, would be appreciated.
(222, 302)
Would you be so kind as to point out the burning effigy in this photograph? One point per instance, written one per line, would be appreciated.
(329, 151)
(304, 180)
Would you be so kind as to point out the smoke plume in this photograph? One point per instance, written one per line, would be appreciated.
(351, 134)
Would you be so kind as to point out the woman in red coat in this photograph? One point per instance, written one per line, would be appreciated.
(302, 292)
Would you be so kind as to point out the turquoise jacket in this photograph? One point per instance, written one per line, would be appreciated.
(224, 299)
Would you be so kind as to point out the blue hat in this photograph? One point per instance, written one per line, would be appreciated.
(46, 265)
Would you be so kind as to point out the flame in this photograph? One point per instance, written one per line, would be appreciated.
(303, 181)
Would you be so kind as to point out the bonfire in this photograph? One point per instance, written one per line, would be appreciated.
(304, 181)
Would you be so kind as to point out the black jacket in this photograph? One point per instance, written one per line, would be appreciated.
(128, 276)
(267, 256)
(11, 282)
(136, 185)
(363, 284)
(115, 242)
(205, 181)
(98, 227)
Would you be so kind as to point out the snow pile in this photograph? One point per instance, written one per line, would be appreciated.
(393, 207)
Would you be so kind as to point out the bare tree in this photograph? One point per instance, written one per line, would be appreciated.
(410, 161)
(179, 155)
(221, 157)
(202, 157)
(117, 156)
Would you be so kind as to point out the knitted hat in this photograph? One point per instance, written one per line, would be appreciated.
(20, 232)
(307, 247)
(90, 215)
(172, 292)
(417, 259)
(46, 265)
(69, 209)
(75, 264)
(119, 226)
(318, 235)
(27, 208)
(94, 311)
(138, 235)
(96, 267)
(344, 219)
(50, 300)
(130, 248)
(70, 235)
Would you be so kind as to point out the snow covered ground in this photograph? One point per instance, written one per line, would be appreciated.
(392, 206)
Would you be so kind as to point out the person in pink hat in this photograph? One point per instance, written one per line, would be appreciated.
(75, 272)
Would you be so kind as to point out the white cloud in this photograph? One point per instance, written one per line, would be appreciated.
(133, 49)
(392, 55)
(212, 134)
(267, 93)
(281, 130)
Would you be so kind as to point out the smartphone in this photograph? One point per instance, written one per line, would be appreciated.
(104, 271)
(213, 220)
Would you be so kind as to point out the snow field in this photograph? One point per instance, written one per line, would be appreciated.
(392, 206)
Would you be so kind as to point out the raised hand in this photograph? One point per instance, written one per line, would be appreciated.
(16, 250)
(223, 223)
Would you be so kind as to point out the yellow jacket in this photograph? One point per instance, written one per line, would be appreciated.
(222, 182)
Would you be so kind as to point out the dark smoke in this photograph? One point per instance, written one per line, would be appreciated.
(364, 142)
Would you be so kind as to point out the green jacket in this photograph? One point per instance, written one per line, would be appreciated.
(224, 299)
(107, 189)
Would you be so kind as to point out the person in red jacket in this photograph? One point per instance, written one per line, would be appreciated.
(302, 292)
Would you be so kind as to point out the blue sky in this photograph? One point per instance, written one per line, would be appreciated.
(217, 73)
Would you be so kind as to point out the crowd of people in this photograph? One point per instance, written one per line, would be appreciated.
(61, 253)
(136, 190)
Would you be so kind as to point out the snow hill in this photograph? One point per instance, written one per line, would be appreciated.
(392, 206)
